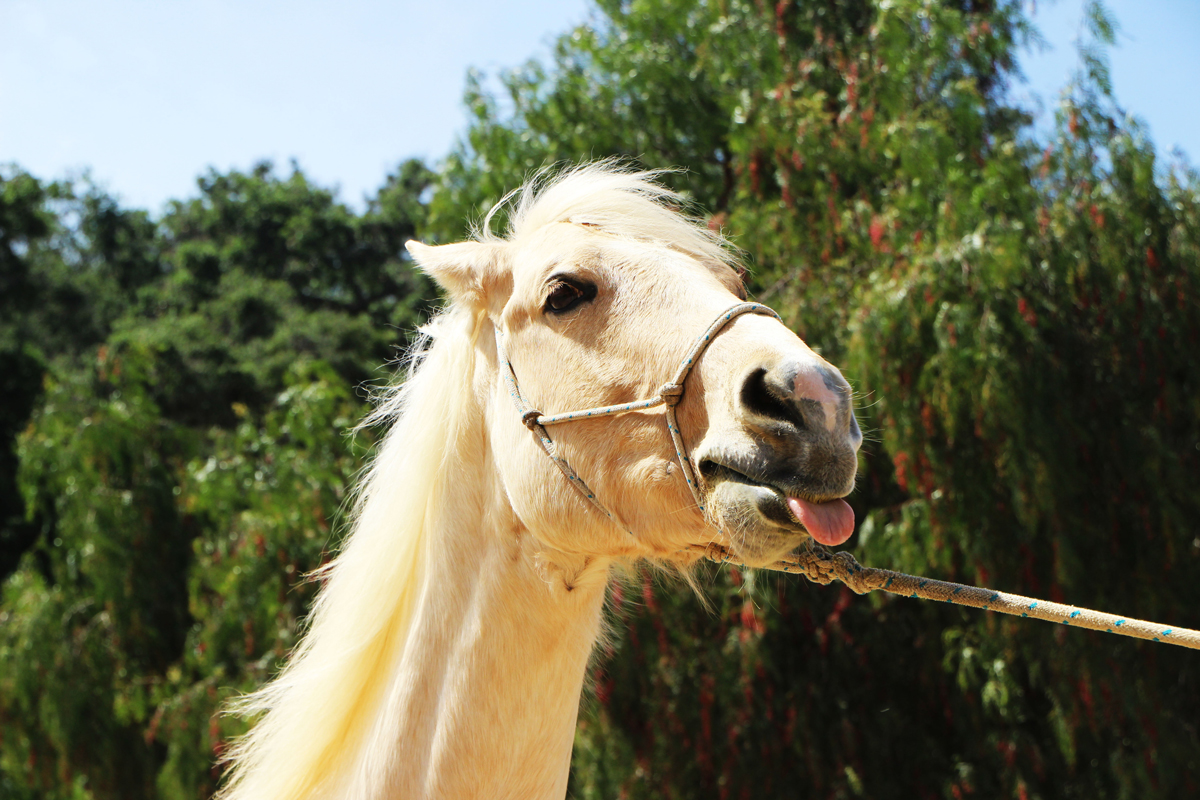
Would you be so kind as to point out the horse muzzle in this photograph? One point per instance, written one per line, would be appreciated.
(781, 475)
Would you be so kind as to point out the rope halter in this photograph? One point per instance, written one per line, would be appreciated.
(668, 396)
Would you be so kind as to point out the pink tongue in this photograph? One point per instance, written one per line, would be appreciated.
(829, 523)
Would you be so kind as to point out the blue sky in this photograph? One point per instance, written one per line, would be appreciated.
(148, 94)
(1155, 64)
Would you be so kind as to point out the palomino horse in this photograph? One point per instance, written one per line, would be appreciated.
(446, 651)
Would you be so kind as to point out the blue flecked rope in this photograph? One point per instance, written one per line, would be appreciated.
(821, 566)
(669, 395)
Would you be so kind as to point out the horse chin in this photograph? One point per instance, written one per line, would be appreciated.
(756, 521)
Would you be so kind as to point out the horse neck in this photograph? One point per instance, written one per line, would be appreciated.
(487, 695)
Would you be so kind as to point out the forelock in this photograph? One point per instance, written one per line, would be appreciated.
(620, 201)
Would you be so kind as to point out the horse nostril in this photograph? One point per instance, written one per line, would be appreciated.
(805, 396)
(764, 393)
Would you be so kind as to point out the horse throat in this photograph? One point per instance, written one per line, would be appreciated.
(485, 701)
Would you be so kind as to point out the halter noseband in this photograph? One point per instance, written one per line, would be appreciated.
(669, 396)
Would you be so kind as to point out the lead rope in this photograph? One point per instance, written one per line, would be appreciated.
(821, 566)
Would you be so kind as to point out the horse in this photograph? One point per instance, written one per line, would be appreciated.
(445, 653)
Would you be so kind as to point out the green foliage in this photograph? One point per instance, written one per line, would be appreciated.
(267, 496)
(57, 299)
(1047, 431)
(174, 577)
(175, 457)
(260, 270)
(103, 603)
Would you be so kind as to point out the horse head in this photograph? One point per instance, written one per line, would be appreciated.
(593, 300)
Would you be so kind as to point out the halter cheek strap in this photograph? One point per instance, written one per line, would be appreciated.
(669, 396)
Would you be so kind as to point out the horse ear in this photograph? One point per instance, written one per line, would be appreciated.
(462, 269)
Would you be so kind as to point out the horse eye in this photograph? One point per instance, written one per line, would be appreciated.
(565, 296)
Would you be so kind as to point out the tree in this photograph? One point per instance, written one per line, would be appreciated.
(58, 297)
(259, 270)
(179, 447)
(105, 606)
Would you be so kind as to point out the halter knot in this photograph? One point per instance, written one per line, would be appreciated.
(671, 393)
(530, 418)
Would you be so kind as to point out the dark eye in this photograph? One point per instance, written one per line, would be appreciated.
(567, 294)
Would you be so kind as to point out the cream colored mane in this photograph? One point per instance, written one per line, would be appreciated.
(620, 202)
(318, 712)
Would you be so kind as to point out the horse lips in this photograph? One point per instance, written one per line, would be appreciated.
(829, 523)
